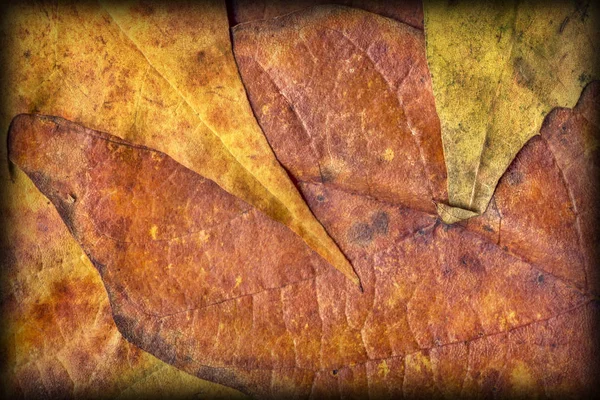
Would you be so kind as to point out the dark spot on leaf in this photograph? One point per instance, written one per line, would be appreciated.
(540, 278)
(471, 263)
(360, 233)
(27, 54)
(334, 372)
(514, 178)
(327, 175)
(320, 198)
(380, 223)
(448, 227)
(61, 288)
(488, 228)
(201, 55)
(41, 312)
(488, 382)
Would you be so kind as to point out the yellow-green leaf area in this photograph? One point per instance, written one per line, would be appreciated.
(497, 70)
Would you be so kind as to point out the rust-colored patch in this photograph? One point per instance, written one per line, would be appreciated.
(501, 305)
(448, 309)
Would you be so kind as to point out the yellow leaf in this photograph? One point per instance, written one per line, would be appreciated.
(75, 61)
(497, 70)
(190, 47)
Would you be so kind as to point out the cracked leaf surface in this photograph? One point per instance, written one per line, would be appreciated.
(467, 309)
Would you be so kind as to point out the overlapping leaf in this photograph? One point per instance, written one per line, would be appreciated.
(75, 61)
(498, 69)
(409, 12)
(58, 326)
(500, 304)
(72, 60)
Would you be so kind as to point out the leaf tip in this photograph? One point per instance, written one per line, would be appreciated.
(451, 215)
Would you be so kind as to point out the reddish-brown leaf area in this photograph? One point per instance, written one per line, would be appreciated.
(351, 96)
(499, 306)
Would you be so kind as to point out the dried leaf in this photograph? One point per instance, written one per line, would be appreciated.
(190, 47)
(75, 61)
(468, 309)
(498, 69)
(57, 323)
(360, 82)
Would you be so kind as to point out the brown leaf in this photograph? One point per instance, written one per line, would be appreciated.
(57, 327)
(170, 83)
(493, 306)
(194, 55)
(357, 89)
(445, 310)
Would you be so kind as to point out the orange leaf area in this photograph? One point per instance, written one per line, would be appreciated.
(225, 293)
(503, 304)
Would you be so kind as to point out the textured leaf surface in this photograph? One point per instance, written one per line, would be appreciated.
(72, 60)
(191, 48)
(502, 304)
(75, 61)
(498, 69)
(57, 327)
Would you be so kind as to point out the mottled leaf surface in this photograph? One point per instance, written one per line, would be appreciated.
(190, 47)
(222, 291)
(498, 69)
(558, 169)
(175, 88)
(499, 305)
(59, 339)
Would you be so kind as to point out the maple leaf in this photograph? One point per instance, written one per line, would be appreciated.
(500, 304)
